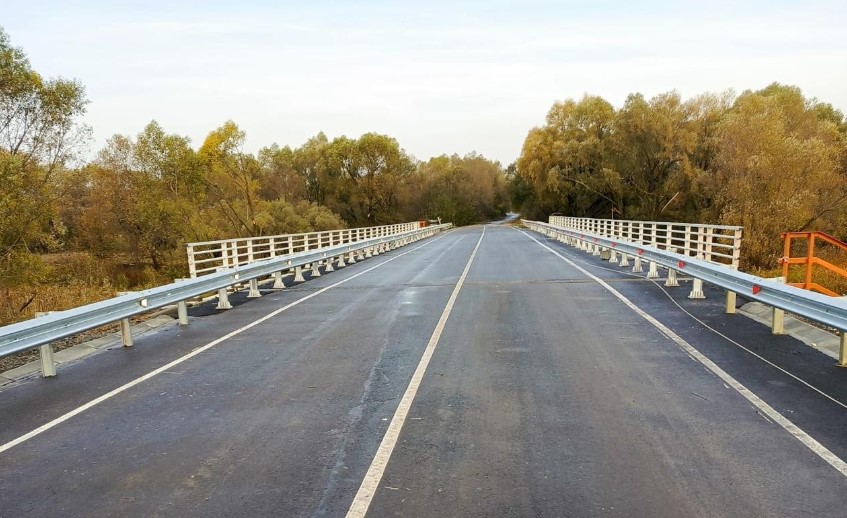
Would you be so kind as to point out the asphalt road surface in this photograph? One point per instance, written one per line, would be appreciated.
(485, 372)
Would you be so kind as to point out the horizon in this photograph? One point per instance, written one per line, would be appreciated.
(440, 80)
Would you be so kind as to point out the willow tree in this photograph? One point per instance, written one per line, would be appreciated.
(780, 167)
(40, 133)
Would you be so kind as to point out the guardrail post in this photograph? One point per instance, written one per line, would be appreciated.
(223, 297)
(778, 315)
(45, 354)
(842, 350)
(316, 269)
(613, 256)
(126, 333)
(278, 284)
(329, 267)
(182, 312)
(341, 263)
(254, 289)
(351, 257)
(298, 274)
(730, 302)
(697, 286)
(636, 268)
(624, 260)
(671, 280)
(653, 272)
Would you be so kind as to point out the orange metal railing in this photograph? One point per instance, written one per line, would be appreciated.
(810, 260)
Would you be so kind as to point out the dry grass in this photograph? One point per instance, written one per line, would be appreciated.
(69, 280)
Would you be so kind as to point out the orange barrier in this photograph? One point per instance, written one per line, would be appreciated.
(810, 260)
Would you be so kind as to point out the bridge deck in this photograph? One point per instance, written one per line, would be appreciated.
(545, 395)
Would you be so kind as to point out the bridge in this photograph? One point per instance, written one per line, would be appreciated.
(483, 371)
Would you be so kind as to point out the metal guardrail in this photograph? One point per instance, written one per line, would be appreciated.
(208, 256)
(713, 243)
(32, 333)
(813, 306)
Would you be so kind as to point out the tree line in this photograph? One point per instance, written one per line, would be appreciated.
(771, 160)
(142, 197)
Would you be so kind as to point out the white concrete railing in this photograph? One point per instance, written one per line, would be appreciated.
(209, 256)
(719, 244)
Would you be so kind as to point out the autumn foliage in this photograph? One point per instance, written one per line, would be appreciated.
(770, 160)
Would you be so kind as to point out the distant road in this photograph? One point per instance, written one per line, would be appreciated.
(535, 391)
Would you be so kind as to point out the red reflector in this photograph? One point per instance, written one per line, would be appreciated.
(756, 289)
(681, 264)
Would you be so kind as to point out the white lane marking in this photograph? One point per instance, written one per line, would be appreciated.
(817, 448)
(94, 402)
(370, 483)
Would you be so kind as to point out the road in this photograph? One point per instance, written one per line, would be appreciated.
(544, 382)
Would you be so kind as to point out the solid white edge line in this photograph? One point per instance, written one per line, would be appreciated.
(817, 448)
(94, 402)
(370, 483)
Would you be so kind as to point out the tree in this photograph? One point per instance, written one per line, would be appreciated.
(40, 134)
(652, 147)
(780, 167)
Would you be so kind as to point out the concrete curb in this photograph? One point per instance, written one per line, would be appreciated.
(815, 337)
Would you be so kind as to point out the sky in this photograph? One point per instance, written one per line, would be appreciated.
(441, 77)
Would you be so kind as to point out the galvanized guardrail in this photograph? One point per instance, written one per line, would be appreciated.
(813, 306)
(713, 243)
(39, 331)
(208, 256)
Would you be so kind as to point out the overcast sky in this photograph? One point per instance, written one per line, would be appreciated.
(440, 77)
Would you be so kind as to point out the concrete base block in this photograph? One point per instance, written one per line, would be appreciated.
(653, 272)
(298, 274)
(697, 290)
(254, 289)
(223, 300)
(624, 261)
(636, 268)
(671, 280)
(316, 269)
(278, 284)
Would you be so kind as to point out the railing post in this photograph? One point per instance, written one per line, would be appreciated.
(842, 349)
(192, 266)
